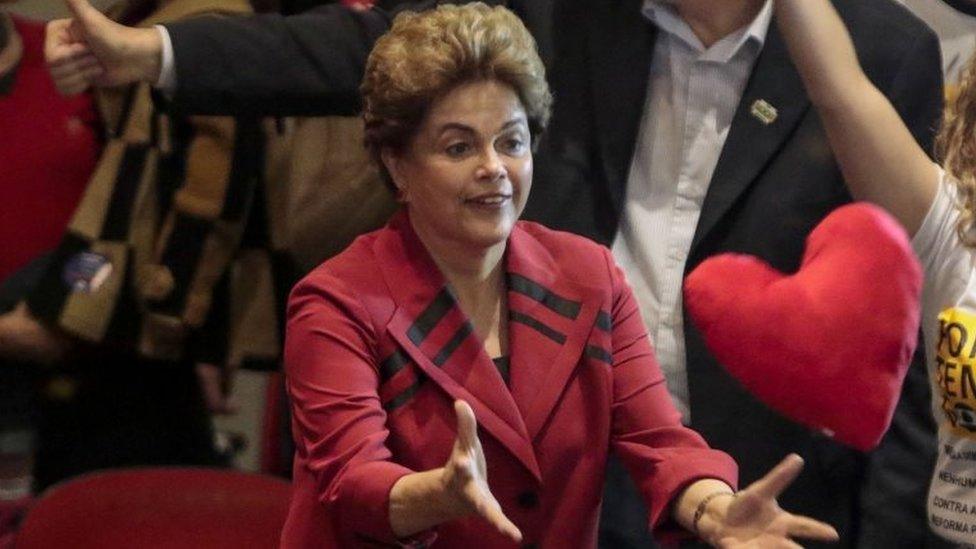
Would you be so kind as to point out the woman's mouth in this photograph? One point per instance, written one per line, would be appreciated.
(489, 200)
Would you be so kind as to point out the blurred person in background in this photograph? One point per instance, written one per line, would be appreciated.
(163, 283)
(49, 145)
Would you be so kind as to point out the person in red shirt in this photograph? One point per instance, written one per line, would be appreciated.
(48, 147)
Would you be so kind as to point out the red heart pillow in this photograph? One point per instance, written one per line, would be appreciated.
(828, 346)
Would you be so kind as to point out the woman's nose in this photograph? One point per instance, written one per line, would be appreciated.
(491, 167)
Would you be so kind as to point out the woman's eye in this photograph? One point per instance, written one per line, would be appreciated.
(513, 145)
(457, 149)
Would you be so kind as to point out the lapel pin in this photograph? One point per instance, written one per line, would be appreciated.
(764, 112)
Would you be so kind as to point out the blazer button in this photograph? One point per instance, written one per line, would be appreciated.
(528, 500)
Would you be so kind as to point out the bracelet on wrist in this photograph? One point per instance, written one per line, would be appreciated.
(703, 506)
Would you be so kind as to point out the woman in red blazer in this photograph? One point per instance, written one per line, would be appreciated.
(457, 311)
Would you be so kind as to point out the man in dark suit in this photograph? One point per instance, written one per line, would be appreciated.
(773, 181)
(770, 178)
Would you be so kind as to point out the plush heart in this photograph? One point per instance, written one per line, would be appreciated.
(828, 346)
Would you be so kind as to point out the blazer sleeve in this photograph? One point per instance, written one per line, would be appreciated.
(340, 426)
(661, 454)
(309, 64)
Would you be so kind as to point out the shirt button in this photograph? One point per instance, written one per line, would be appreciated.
(528, 500)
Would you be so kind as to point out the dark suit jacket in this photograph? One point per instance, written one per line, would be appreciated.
(773, 183)
(377, 352)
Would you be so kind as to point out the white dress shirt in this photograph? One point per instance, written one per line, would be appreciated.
(694, 93)
(166, 82)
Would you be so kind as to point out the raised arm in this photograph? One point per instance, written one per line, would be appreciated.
(879, 157)
(305, 64)
(266, 65)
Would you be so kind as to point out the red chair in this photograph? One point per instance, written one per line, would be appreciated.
(159, 508)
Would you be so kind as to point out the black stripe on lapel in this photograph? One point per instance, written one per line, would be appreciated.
(604, 321)
(119, 214)
(393, 364)
(558, 304)
(504, 365)
(459, 336)
(430, 317)
(599, 353)
(552, 334)
(406, 395)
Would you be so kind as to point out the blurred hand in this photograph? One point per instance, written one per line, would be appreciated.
(466, 475)
(23, 338)
(215, 386)
(90, 49)
(753, 519)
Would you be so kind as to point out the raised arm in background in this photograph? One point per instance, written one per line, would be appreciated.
(880, 160)
(306, 64)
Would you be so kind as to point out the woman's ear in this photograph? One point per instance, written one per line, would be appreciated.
(392, 162)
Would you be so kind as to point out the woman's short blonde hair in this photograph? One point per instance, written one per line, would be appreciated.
(427, 54)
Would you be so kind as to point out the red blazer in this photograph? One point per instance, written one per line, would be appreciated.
(377, 351)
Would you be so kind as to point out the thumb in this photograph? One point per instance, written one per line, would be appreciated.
(467, 424)
(779, 478)
(87, 18)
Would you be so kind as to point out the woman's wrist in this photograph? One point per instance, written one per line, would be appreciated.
(710, 514)
(700, 507)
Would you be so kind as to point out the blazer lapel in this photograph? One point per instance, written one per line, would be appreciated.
(752, 143)
(550, 319)
(434, 333)
(623, 41)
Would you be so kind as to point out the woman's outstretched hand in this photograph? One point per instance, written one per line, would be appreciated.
(90, 49)
(459, 489)
(753, 518)
(466, 475)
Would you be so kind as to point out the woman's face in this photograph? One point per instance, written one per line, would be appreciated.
(466, 174)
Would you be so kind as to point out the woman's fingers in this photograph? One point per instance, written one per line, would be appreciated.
(783, 543)
(776, 480)
(489, 509)
(467, 425)
(808, 528)
(476, 489)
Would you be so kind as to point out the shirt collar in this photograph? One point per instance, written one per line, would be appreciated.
(666, 18)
